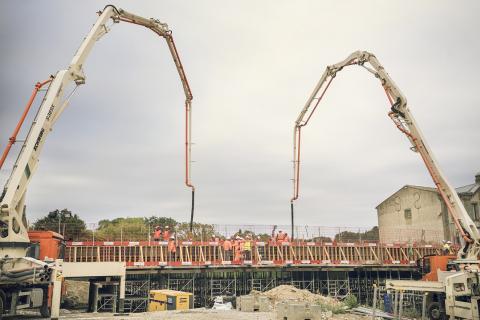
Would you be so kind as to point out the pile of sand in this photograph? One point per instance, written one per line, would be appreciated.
(286, 293)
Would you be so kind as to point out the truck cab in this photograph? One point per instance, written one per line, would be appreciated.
(46, 245)
(430, 264)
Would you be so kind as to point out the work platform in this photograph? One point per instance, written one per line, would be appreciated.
(196, 254)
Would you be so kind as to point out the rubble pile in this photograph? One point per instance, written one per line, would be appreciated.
(286, 293)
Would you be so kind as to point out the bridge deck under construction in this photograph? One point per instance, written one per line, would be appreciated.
(153, 254)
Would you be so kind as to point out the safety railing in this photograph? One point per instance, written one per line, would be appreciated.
(195, 253)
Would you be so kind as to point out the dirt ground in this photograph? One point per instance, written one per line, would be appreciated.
(195, 314)
(198, 314)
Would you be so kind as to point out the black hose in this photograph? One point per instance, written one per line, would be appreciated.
(395, 108)
(20, 279)
(17, 274)
(191, 214)
(291, 210)
(3, 194)
(114, 8)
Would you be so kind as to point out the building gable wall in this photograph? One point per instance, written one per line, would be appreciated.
(411, 215)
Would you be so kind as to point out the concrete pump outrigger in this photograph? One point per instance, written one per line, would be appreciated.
(16, 269)
(460, 291)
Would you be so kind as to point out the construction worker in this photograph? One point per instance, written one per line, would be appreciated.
(247, 248)
(172, 249)
(157, 234)
(261, 249)
(227, 249)
(445, 247)
(238, 248)
(280, 236)
(166, 233)
(410, 252)
(449, 247)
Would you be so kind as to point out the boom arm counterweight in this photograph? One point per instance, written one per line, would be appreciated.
(405, 122)
(13, 236)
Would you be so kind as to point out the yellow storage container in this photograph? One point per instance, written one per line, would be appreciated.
(161, 300)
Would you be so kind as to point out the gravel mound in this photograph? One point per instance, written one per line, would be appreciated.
(286, 293)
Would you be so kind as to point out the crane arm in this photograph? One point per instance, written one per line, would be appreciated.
(13, 224)
(405, 122)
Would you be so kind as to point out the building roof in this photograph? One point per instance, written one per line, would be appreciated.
(468, 189)
(429, 189)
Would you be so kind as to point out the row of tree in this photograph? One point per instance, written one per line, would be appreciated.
(137, 229)
(72, 227)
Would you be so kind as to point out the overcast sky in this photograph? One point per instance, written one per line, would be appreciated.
(117, 150)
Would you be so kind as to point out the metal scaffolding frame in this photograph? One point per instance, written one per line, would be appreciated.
(235, 282)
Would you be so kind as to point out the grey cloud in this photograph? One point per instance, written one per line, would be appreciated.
(118, 149)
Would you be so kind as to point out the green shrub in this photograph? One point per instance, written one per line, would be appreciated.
(350, 301)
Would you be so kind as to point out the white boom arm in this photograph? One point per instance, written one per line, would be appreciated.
(13, 230)
(405, 122)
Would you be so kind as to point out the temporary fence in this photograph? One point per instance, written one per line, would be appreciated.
(205, 232)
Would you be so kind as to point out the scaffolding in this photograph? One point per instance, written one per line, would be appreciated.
(209, 284)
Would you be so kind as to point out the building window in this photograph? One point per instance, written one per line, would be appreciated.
(407, 213)
(476, 214)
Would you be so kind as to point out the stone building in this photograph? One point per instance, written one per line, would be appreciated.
(470, 196)
(418, 214)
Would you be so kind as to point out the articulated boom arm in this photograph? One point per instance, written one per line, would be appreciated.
(404, 121)
(13, 234)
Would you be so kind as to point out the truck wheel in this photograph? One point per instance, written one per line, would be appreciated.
(434, 311)
(2, 303)
(45, 311)
(1, 308)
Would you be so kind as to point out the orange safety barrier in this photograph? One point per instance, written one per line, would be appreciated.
(196, 253)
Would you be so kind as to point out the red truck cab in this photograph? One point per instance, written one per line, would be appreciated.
(431, 264)
(46, 245)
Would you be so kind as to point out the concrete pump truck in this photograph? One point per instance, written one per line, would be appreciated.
(456, 292)
(25, 282)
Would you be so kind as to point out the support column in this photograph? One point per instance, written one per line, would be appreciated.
(400, 305)
(57, 289)
(424, 306)
(95, 297)
(395, 305)
(121, 301)
(13, 305)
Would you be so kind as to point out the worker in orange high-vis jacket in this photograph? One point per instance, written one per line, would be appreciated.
(238, 248)
(172, 249)
(157, 234)
(227, 249)
(166, 233)
(280, 236)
